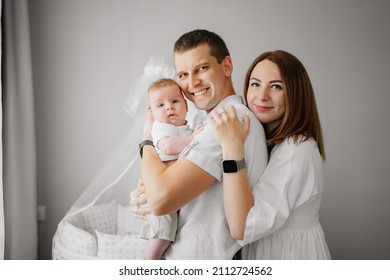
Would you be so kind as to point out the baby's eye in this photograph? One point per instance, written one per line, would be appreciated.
(160, 105)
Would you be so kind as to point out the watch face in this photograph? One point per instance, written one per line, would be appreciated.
(229, 166)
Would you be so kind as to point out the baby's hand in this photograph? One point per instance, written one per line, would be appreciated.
(199, 127)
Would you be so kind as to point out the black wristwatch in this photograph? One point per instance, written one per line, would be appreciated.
(232, 166)
(142, 144)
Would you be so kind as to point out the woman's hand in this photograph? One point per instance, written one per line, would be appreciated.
(138, 202)
(229, 131)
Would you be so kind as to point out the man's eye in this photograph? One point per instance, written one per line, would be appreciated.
(182, 76)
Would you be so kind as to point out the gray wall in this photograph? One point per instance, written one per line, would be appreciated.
(86, 53)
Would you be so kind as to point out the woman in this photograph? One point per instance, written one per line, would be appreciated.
(279, 217)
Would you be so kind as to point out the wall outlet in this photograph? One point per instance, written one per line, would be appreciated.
(41, 213)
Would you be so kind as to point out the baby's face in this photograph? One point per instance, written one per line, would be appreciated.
(168, 105)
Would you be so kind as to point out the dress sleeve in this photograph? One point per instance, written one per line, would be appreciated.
(288, 182)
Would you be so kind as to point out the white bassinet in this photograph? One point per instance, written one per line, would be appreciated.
(103, 231)
(100, 225)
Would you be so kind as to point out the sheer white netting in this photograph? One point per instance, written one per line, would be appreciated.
(100, 225)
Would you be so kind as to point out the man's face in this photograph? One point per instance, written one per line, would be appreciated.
(203, 80)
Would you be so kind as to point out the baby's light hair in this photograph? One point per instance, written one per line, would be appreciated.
(161, 83)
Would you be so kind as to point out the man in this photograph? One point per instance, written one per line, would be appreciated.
(193, 183)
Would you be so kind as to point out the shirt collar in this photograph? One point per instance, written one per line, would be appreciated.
(230, 100)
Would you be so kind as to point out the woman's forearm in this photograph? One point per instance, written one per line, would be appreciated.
(238, 200)
(237, 194)
(231, 133)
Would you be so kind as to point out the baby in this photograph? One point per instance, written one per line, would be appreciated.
(171, 135)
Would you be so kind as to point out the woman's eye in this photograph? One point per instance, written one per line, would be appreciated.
(276, 86)
(254, 84)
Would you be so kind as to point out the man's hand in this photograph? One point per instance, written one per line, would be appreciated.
(148, 126)
(138, 203)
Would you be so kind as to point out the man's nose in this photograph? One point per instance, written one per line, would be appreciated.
(194, 81)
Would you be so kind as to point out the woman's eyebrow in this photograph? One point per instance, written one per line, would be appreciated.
(276, 81)
(270, 82)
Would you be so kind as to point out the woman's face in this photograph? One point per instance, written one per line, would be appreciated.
(266, 94)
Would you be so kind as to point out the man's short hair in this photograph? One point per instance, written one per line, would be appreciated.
(199, 37)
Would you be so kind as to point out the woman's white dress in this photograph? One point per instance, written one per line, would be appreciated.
(284, 222)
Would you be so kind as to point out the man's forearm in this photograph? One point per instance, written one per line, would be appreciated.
(152, 170)
(168, 188)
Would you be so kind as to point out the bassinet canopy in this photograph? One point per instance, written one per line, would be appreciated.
(99, 225)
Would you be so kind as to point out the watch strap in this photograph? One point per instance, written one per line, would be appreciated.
(241, 164)
(142, 144)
